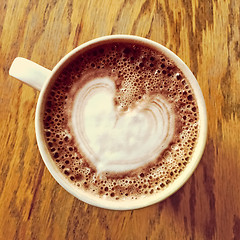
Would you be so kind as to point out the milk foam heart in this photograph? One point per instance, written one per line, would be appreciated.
(116, 140)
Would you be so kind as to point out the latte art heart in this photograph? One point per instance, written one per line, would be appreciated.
(115, 140)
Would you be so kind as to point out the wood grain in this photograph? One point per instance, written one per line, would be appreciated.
(205, 34)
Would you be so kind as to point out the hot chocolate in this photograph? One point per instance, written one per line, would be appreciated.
(121, 121)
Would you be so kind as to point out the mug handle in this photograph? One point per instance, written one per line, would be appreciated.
(29, 72)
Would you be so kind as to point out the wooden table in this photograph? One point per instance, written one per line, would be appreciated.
(205, 34)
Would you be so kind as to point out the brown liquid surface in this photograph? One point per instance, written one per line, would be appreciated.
(138, 72)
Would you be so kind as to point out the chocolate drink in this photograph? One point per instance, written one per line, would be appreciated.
(121, 121)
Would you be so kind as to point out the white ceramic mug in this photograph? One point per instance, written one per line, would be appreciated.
(41, 78)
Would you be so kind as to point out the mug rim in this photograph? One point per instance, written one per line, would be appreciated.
(121, 204)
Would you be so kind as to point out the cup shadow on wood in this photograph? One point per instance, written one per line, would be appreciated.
(194, 204)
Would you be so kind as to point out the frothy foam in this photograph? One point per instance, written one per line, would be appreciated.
(117, 141)
(121, 121)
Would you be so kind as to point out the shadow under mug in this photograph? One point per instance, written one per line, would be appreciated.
(41, 79)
